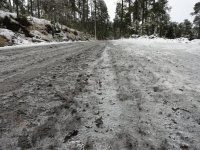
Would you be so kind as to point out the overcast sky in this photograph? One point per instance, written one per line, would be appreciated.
(181, 9)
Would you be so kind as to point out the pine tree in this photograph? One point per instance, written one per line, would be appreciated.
(170, 32)
(197, 17)
(148, 17)
(187, 28)
(119, 24)
(5, 5)
(102, 19)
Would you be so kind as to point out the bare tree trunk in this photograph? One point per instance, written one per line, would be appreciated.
(31, 5)
(122, 15)
(13, 6)
(129, 11)
(87, 9)
(153, 27)
(95, 22)
(28, 7)
(79, 7)
(199, 32)
(17, 7)
(146, 16)
(38, 8)
(143, 11)
(83, 11)
(10, 5)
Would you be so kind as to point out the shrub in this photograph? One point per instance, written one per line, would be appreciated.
(75, 33)
(23, 21)
(11, 24)
(49, 28)
(3, 41)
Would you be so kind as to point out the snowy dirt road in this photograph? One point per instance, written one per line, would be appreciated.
(113, 95)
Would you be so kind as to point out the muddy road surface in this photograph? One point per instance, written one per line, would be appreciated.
(113, 95)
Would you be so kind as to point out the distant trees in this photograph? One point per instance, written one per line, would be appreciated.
(147, 17)
(187, 28)
(142, 17)
(170, 34)
(119, 25)
(102, 19)
(5, 5)
(196, 13)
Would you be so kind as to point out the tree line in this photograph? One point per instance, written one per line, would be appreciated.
(140, 17)
(151, 17)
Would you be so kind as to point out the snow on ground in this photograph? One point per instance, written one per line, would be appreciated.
(165, 75)
(119, 95)
(170, 55)
(3, 14)
(147, 39)
(35, 20)
(179, 52)
(7, 33)
(38, 30)
(173, 44)
(15, 38)
(176, 60)
(27, 44)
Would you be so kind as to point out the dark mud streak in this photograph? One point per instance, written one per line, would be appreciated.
(17, 80)
(62, 119)
(32, 60)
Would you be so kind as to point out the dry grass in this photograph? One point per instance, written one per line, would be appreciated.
(3, 41)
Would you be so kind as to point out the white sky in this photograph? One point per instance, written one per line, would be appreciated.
(181, 9)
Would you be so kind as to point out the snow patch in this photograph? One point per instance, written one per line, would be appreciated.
(8, 34)
(27, 43)
(3, 14)
(149, 39)
(40, 30)
(38, 21)
(15, 38)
